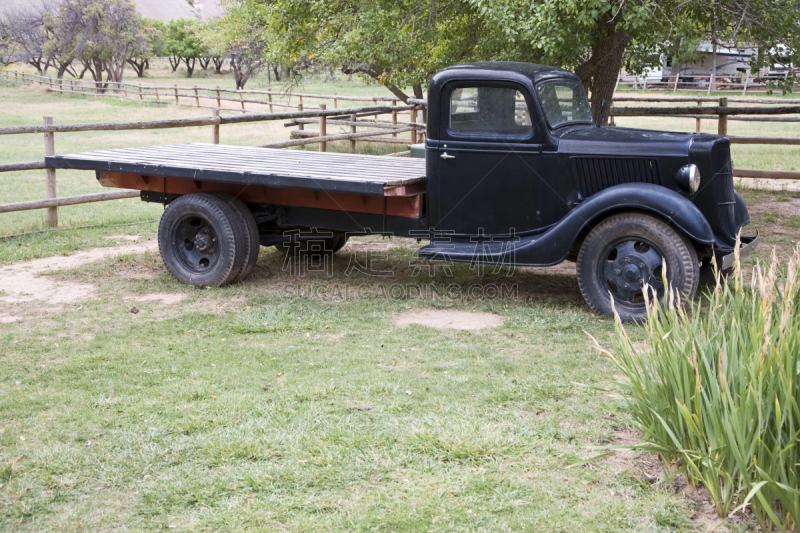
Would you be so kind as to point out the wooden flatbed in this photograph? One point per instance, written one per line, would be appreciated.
(344, 182)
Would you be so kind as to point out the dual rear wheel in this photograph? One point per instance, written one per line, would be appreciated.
(208, 239)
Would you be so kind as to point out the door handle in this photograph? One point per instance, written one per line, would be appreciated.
(446, 156)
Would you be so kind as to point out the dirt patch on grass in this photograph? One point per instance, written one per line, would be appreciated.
(768, 185)
(21, 282)
(647, 469)
(166, 298)
(121, 237)
(448, 319)
(790, 207)
(566, 268)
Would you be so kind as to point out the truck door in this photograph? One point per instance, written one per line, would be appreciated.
(489, 162)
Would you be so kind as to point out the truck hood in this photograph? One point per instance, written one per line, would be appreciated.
(615, 141)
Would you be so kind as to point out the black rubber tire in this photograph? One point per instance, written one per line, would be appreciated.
(250, 242)
(618, 236)
(179, 246)
(332, 244)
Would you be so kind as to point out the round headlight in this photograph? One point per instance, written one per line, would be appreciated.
(688, 178)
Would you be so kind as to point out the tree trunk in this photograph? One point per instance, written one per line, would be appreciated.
(204, 61)
(174, 62)
(599, 74)
(138, 66)
(277, 72)
(62, 68)
(675, 75)
(218, 62)
(190, 61)
(36, 62)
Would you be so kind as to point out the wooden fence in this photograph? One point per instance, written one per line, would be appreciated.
(202, 97)
(353, 117)
(782, 110)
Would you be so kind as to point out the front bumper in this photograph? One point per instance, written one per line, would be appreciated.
(749, 245)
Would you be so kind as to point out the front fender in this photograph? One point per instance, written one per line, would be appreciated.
(555, 244)
(677, 210)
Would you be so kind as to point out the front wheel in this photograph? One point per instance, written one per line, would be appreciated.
(625, 252)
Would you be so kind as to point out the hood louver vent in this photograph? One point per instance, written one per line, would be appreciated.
(593, 174)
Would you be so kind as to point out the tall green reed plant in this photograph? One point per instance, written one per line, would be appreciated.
(715, 390)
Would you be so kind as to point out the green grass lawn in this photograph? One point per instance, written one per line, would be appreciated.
(255, 406)
(287, 403)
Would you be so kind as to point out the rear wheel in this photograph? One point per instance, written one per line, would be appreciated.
(250, 245)
(624, 253)
(199, 238)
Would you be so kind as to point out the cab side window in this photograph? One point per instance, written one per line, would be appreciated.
(489, 110)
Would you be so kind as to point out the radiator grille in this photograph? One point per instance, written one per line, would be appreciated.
(723, 183)
(593, 174)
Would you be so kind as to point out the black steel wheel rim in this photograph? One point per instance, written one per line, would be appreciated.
(628, 264)
(196, 244)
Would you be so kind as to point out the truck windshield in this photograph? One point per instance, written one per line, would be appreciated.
(564, 102)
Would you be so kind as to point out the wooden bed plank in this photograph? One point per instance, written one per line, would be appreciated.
(257, 166)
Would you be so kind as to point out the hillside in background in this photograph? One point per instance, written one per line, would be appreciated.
(165, 10)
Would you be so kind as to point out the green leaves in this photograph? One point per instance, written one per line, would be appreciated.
(182, 39)
(716, 391)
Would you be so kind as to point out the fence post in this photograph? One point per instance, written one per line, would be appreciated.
(196, 97)
(241, 97)
(697, 120)
(394, 117)
(218, 101)
(722, 128)
(140, 93)
(215, 127)
(353, 118)
(269, 97)
(414, 129)
(50, 174)
(158, 98)
(323, 128)
(176, 95)
(746, 81)
(335, 101)
(300, 108)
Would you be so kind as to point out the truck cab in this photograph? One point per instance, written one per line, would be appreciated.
(519, 173)
(515, 172)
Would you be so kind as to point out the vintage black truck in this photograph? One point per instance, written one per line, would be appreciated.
(515, 172)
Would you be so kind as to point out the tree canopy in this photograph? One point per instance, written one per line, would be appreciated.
(240, 36)
(183, 42)
(402, 43)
